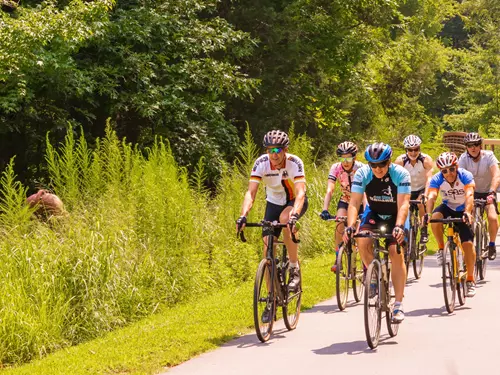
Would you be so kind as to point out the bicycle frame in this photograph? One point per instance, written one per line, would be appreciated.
(453, 236)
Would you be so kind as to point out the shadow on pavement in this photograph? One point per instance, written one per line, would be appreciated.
(433, 312)
(251, 340)
(352, 348)
(331, 309)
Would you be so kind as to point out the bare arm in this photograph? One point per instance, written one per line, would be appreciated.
(495, 180)
(329, 192)
(428, 166)
(353, 209)
(469, 199)
(431, 199)
(253, 187)
(399, 160)
(403, 207)
(300, 190)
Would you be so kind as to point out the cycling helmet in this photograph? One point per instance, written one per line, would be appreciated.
(446, 159)
(412, 141)
(347, 148)
(276, 138)
(472, 137)
(378, 152)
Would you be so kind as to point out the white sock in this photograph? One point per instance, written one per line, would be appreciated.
(296, 264)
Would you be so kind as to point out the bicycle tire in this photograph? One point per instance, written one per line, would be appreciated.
(373, 305)
(263, 296)
(408, 251)
(418, 259)
(482, 269)
(358, 282)
(342, 278)
(392, 328)
(291, 306)
(448, 278)
(461, 289)
(478, 265)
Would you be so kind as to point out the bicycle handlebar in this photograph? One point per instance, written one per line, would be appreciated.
(377, 235)
(338, 219)
(268, 224)
(480, 202)
(447, 220)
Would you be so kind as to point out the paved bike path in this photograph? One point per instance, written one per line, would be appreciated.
(429, 341)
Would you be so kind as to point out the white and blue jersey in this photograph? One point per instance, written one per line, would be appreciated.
(381, 193)
(453, 194)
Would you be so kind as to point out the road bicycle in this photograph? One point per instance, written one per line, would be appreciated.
(349, 270)
(379, 293)
(481, 238)
(415, 250)
(271, 285)
(454, 271)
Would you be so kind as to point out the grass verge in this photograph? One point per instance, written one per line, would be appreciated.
(177, 334)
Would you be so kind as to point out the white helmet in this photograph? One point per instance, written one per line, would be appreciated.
(412, 141)
(446, 159)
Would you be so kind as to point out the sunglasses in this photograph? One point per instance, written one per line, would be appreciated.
(348, 160)
(475, 144)
(450, 169)
(413, 149)
(274, 150)
(382, 164)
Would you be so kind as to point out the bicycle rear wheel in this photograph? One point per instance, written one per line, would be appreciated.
(263, 297)
(342, 278)
(481, 266)
(418, 256)
(392, 328)
(358, 282)
(373, 306)
(449, 281)
(291, 306)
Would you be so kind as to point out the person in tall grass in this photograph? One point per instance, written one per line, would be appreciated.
(284, 178)
(342, 172)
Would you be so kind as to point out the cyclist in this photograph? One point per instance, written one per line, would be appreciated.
(387, 188)
(420, 167)
(456, 186)
(483, 165)
(343, 172)
(284, 178)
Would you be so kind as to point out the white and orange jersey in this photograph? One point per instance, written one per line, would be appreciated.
(453, 194)
(280, 183)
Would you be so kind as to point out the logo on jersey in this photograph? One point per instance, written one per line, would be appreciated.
(453, 193)
(385, 198)
(258, 161)
(284, 176)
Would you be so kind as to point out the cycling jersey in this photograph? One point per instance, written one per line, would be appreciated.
(453, 194)
(381, 193)
(480, 170)
(418, 173)
(280, 183)
(344, 178)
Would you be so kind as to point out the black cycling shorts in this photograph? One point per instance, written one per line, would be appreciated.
(345, 205)
(464, 230)
(484, 196)
(416, 193)
(273, 212)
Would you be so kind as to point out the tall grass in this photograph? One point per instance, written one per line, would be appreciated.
(142, 234)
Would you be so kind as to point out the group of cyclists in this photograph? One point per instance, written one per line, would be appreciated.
(378, 194)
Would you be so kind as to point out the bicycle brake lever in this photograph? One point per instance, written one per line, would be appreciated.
(294, 239)
(242, 237)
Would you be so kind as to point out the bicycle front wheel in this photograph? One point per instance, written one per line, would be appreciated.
(461, 289)
(358, 282)
(291, 306)
(342, 278)
(373, 304)
(392, 328)
(448, 275)
(264, 302)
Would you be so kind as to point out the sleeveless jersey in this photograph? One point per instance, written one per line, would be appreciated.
(418, 174)
(339, 174)
(381, 193)
(453, 196)
(280, 183)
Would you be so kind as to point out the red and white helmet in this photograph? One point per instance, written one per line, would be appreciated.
(412, 141)
(446, 159)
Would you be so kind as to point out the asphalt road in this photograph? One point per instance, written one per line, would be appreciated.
(430, 341)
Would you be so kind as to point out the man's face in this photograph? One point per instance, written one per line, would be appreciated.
(413, 152)
(277, 155)
(450, 173)
(380, 169)
(474, 149)
(347, 161)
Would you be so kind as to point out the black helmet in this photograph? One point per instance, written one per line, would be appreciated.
(473, 137)
(276, 138)
(347, 148)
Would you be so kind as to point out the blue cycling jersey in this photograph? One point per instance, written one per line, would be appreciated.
(453, 194)
(381, 193)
